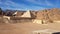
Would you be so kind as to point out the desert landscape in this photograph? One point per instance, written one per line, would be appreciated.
(29, 16)
(25, 22)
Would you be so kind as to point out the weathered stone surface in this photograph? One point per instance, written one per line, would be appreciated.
(49, 14)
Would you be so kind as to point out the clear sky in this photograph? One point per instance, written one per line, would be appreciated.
(29, 4)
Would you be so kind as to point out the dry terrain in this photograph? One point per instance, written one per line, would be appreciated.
(26, 28)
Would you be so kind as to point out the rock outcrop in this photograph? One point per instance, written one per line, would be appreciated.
(49, 14)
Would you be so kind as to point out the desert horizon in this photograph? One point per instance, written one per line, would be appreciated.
(29, 17)
(29, 22)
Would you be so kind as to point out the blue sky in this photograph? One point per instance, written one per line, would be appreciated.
(29, 4)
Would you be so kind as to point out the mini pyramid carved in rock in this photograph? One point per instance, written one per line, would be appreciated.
(27, 14)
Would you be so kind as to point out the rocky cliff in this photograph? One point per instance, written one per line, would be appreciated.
(49, 14)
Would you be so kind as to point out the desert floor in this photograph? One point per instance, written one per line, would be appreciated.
(26, 28)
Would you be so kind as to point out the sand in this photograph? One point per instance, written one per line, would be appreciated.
(26, 28)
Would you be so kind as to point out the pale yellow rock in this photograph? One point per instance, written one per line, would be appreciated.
(27, 14)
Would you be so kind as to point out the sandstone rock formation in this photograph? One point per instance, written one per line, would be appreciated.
(49, 14)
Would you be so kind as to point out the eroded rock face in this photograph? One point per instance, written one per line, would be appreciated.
(49, 14)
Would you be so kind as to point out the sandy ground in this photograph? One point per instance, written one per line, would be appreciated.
(26, 28)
